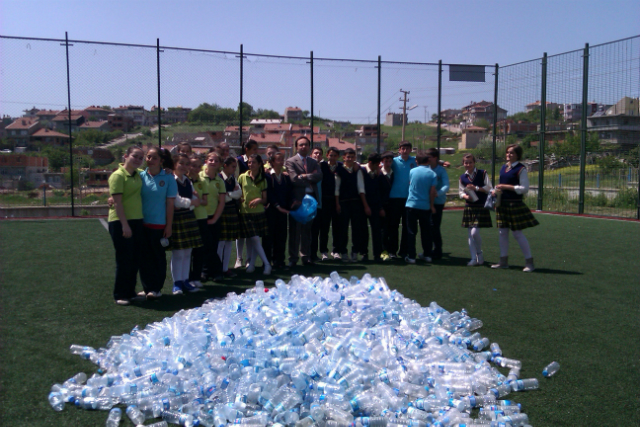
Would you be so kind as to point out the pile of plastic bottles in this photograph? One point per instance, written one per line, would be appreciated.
(316, 351)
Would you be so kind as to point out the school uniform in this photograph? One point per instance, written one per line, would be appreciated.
(202, 254)
(475, 214)
(230, 226)
(349, 186)
(127, 185)
(279, 190)
(243, 165)
(156, 190)
(213, 265)
(373, 183)
(186, 234)
(513, 213)
(329, 218)
(397, 204)
(421, 180)
(386, 182)
(442, 187)
(253, 221)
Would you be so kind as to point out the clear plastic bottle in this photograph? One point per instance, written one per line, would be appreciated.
(135, 415)
(525, 385)
(175, 417)
(495, 349)
(56, 400)
(551, 369)
(115, 415)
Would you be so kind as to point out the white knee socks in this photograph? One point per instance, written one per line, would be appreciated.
(520, 238)
(475, 242)
(256, 251)
(180, 263)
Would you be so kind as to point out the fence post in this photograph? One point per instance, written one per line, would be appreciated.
(240, 112)
(159, 108)
(543, 131)
(583, 126)
(379, 82)
(311, 64)
(495, 126)
(439, 102)
(66, 44)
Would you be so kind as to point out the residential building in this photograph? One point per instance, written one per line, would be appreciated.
(292, 114)
(340, 144)
(50, 137)
(337, 124)
(168, 115)
(30, 113)
(47, 115)
(367, 136)
(471, 137)
(520, 128)
(481, 110)
(102, 125)
(136, 112)
(232, 134)
(209, 139)
(573, 112)
(258, 125)
(393, 119)
(536, 106)
(61, 120)
(450, 115)
(15, 169)
(618, 124)
(119, 122)
(21, 129)
(98, 113)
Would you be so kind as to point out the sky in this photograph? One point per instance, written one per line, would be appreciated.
(457, 32)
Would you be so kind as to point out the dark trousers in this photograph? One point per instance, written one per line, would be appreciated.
(275, 242)
(376, 232)
(384, 228)
(205, 258)
(315, 234)
(415, 216)
(299, 240)
(127, 257)
(352, 212)
(215, 263)
(153, 260)
(397, 213)
(436, 220)
(330, 218)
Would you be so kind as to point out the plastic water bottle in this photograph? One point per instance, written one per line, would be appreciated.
(495, 349)
(115, 415)
(551, 369)
(56, 400)
(135, 415)
(525, 385)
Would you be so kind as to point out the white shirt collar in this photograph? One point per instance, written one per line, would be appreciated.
(472, 173)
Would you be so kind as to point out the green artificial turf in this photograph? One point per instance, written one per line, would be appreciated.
(579, 308)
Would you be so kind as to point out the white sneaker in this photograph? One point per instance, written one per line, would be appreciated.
(324, 256)
(424, 258)
(154, 295)
(473, 263)
(248, 264)
(336, 255)
(238, 263)
(197, 283)
(480, 259)
(409, 260)
(267, 269)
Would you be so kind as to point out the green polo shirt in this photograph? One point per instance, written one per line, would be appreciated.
(251, 191)
(202, 188)
(128, 186)
(216, 187)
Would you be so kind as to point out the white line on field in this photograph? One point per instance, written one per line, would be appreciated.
(104, 224)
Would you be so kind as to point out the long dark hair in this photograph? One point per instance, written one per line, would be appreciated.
(257, 158)
(165, 157)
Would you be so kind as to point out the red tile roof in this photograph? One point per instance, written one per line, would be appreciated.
(292, 109)
(277, 127)
(267, 138)
(49, 133)
(47, 112)
(22, 123)
(94, 124)
(340, 144)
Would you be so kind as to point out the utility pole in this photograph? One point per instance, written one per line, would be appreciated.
(425, 114)
(404, 110)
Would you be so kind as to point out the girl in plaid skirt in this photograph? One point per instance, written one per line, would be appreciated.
(230, 220)
(186, 234)
(512, 213)
(474, 187)
(253, 220)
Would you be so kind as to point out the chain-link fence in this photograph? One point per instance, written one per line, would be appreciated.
(575, 114)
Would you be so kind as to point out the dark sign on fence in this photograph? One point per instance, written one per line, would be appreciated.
(466, 73)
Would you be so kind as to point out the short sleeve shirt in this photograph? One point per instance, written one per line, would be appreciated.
(202, 187)
(128, 186)
(421, 180)
(401, 169)
(156, 189)
(216, 187)
(251, 191)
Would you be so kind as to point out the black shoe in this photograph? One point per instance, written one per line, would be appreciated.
(308, 262)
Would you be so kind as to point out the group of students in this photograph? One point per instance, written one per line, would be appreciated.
(199, 211)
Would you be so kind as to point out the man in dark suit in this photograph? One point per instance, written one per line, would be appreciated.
(305, 174)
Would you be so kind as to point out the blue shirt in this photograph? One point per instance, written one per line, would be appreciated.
(421, 180)
(442, 185)
(401, 169)
(155, 192)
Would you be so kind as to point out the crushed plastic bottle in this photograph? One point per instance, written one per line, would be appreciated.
(340, 352)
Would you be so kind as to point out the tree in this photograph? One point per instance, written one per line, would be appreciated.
(57, 157)
(483, 123)
(434, 117)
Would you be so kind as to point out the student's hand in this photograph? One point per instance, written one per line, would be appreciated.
(167, 231)
(126, 231)
(446, 164)
(255, 202)
(111, 202)
(367, 211)
(382, 213)
(212, 221)
(465, 196)
(471, 187)
(195, 202)
(433, 209)
(281, 210)
(356, 166)
(338, 209)
(295, 205)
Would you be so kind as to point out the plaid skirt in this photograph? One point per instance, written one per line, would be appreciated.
(475, 216)
(186, 233)
(230, 223)
(253, 224)
(514, 214)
